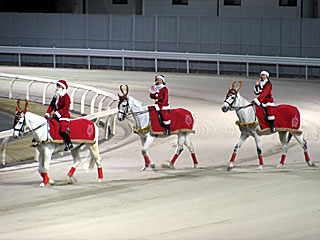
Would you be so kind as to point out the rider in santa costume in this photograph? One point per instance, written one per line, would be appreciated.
(159, 92)
(263, 88)
(60, 105)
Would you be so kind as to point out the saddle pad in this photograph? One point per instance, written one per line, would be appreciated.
(181, 121)
(81, 130)
(286, 116)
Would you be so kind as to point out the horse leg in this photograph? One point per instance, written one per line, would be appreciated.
(304, 145)
(243, 137)
(44, 163)
(284, 143)
(96, 159)
(179, 149)
(146, 142)
(257, 139)
(75, 152)
(190, 147)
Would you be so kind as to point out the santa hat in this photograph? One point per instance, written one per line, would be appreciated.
(264, 72)
(63, 84)
(161, 77)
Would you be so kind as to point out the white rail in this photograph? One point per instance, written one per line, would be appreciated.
(108, 113)
(187, 57)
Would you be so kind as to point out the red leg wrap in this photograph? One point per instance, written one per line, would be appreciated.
(146, 160)
(100, 173)
(283, 158)
(194, 158)
(173, 160)
(260, 160)
(306, 156)
(233, 157)
(71, 171)
(45, 177)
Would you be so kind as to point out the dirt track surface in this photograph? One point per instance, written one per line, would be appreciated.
(186, 203)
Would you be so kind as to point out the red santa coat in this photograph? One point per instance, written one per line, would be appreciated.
(61, 107)
(161, 97)
(265, 98)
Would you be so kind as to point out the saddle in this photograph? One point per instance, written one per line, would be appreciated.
(181, 121)
(81, 131)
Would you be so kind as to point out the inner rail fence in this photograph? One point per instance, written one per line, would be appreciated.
(155, 56)
(99, 110)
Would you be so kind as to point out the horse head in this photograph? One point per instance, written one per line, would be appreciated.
(231, 97)
(123, 105)
(19, 123)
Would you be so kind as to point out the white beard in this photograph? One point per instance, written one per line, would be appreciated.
(60, 92)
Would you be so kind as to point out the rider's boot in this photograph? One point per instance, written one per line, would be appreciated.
(67, 140)
(272, 129)
(167, 129)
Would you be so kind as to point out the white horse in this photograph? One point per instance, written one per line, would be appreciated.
(249, 127)
(29, 122)
(128, 105)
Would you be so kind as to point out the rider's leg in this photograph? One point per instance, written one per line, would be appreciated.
(166, 121)
(271, 117)
(65, 135)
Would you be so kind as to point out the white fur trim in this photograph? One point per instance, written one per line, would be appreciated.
(167, 122)
(269, 104)
(271, 118)
(47, 115)
(62, 85)
(65, 119)
(162, 78)
(58, 114)
(257, 90)
(264, 73)
(157, 107)
(256, 101)
(165, 107)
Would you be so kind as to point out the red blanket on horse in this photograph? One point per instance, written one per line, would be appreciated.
(81, 130)
(181, 121)
(287, 117)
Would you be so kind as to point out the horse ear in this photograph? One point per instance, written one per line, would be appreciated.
(26, 106)
(240, 85)
(233, 85)
(18, 104)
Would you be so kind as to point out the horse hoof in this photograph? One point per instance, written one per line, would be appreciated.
(168, 165)
(51, 181)
(71, 180)
(280, 165)
(195, 165)
(143, 168)
(230, 168)
(42, 185)
(311, 164)
(153, 165)
(99, 180)
(260, 167)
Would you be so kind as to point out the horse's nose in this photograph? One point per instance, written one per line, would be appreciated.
(224, 108)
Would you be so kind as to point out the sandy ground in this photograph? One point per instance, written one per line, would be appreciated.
(186, 203)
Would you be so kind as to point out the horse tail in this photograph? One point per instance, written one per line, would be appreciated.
(289, 137)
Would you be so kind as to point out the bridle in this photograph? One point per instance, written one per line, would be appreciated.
(124, 98)
(233, 91)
